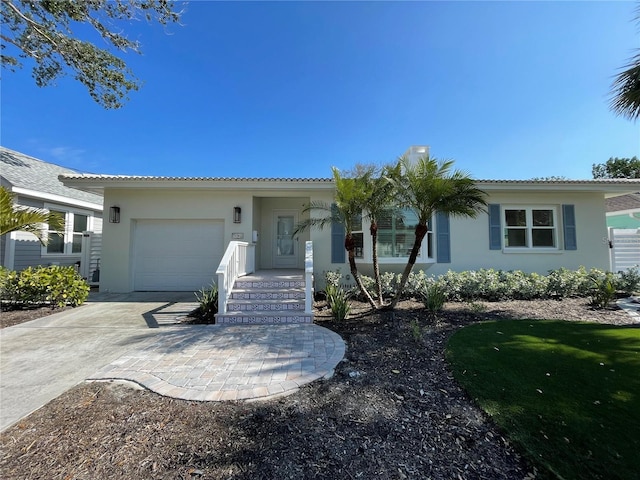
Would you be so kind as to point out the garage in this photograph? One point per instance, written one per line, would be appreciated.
(176, 255)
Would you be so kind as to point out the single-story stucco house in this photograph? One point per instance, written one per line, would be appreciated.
(171, 233)
(35, 183)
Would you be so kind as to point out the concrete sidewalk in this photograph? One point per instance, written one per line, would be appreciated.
(135, 337)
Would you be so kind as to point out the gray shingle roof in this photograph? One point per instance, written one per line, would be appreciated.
(26, 172)
(623, 202)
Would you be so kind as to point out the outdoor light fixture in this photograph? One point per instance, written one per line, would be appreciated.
(237, 212)
(114, 214)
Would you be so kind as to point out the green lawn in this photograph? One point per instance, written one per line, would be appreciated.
(567, 393)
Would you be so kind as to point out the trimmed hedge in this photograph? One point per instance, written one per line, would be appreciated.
(55, 286)
(496, 285)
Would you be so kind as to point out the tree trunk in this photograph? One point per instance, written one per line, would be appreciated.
(421, 231)
(349, 245)
(373, 230)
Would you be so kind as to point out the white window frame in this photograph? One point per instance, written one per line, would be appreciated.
(359, 252)
(399, 260)
(68, 233)
(529, 227)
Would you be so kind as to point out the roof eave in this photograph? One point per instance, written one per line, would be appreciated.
(97, 183)
(54, 198)
(610, 188)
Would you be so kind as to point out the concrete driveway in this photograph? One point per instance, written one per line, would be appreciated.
(135, 337)
(41, 359)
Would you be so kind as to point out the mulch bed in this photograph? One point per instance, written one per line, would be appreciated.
(10, 316)
(392, 410)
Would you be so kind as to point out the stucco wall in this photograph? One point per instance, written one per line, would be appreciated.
(116, 274)
(469, 237)
(116, 266)
(470, 240)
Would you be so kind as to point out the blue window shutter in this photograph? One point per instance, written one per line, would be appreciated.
(569, 227)
(495, 229)
(443, 240)
(338, 253)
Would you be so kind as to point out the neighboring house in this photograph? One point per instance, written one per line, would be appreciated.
(35, 184)
(171, 232)
(623, 220)
(624, 211)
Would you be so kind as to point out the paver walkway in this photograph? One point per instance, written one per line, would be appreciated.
(216, 362)
(135, 337)
(631, 305)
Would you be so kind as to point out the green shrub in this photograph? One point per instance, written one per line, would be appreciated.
(477, 307)
(54, 285)
(332, 277)
(389, 282)
(433, 297)
(496, 285)
(527, 286)
(416, 283)
(368, 283)
(416, 330)
(8, 284)
(628, 282)
(563, 283)
(337, 296)
(603, 290)
(208, 301)
(338, 301)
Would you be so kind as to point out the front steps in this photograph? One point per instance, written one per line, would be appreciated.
(274, 297)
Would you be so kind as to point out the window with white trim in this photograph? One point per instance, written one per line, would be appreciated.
(530, 227)
(396, 235)
(68, 242)
(358, 237)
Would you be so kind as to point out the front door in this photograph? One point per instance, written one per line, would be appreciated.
(285, 254)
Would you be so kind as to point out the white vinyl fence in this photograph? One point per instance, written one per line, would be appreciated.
(625, 248)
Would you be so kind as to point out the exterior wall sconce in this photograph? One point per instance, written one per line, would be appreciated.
(237, 214)
(114, 214)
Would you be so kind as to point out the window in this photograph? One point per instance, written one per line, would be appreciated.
(79, 225)
(396, 234)
(68, 242)
(55, 240)
(530, 227)
(358, 237)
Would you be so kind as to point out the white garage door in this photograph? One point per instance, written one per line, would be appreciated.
(176, 255)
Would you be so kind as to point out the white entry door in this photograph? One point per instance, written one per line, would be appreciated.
(285, 254)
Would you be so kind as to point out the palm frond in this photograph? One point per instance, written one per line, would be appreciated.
(625, 90)
(625, 99)
(27, 219)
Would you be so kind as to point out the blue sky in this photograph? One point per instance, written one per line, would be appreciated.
(509, 90)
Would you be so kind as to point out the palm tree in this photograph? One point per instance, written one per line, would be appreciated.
(377, 203)
(626, 86)
(347, 210)
(28, 219)
(425, 187)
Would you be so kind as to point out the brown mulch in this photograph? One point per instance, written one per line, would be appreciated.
(15, 316)
(391, 411)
